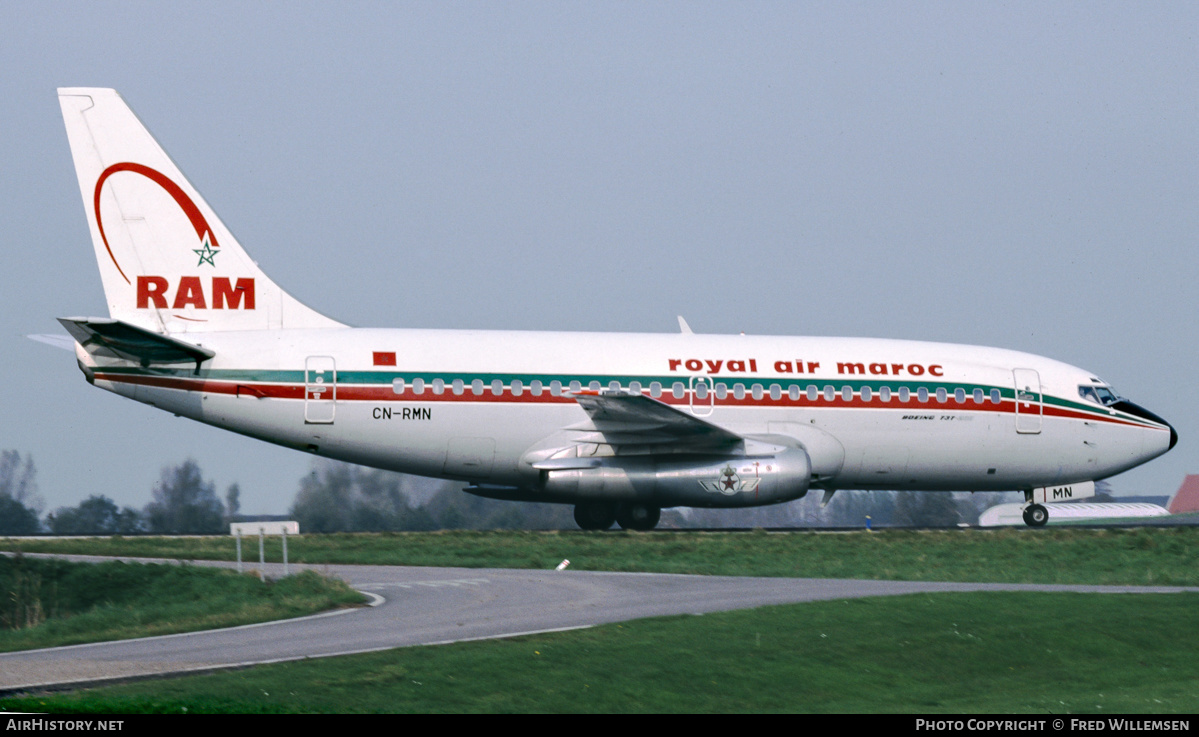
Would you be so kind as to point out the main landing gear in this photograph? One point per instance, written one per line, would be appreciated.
(601, 515)
(1036, 515)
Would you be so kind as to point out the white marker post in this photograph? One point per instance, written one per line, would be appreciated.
(264, 528)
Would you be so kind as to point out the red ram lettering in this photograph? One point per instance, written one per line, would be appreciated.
(190, 293)
(222, 291)
(152, 293)
(151, 289)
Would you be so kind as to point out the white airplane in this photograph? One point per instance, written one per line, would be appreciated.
(619, 425)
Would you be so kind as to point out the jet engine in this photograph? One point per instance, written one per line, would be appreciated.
(764, 473)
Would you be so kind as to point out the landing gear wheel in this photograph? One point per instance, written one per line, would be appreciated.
(638, 517)
(595, 515)
(1036, 515)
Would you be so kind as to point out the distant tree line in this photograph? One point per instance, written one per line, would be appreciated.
(19, 500)
(182, 502)
(342, 497)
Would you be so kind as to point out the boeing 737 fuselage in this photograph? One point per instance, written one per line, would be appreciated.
(619, 425)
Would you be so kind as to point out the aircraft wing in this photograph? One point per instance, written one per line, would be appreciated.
(635, 418)
(630, 424)
(122, 340)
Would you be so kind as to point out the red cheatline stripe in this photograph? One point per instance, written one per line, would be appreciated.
(357, 393)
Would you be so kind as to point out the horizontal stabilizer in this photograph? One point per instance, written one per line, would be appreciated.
(57, 340)
(122, 340)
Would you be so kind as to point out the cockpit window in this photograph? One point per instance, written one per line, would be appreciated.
(1099, 394)
(1106, 395)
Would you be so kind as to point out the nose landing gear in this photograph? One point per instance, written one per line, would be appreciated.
(1036, 515)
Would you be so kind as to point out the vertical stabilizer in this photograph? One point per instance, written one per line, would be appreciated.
(167, 261)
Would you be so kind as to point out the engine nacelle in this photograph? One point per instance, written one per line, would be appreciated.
(749, 480)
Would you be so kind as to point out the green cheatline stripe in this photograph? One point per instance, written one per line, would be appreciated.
(385, 378)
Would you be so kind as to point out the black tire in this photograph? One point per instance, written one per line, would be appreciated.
(595, 515)
(1036, 515)
(638, 517)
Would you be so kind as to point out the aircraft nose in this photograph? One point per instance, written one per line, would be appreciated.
(1135, 409)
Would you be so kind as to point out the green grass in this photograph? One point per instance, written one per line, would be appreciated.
(949, 653)
(71, 603)
(1158, 556)
(980, 653)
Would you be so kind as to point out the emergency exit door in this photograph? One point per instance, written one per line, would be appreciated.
(320, 390)
(1028, 401)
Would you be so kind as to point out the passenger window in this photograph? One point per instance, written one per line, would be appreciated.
(517, 388)
(614, 386)
(722, 391)
(995, 396)
(535, 387)
(776, 392)
(594, 386)
(959, 395)
(497, 387)
(476, 387)
(884, 394)
(701, 390)
(978, 396)
(418, 386)
(793, 392)
(635, 387)
(812, 392)
(756, 391)
(922, 394)
(575, 387)
(738, 391)
(866, 394)
(942, 395)
(458, 386)
(655, 389)
(905, 394)
(830, 393)
(678, 390)
(438, 386)
(556, 388)
(397, 386)
(847, 393)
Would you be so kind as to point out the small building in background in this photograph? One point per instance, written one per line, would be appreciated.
(1186, 499)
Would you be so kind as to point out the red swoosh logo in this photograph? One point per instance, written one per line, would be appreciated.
(185, 203)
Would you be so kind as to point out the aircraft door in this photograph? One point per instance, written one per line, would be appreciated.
(1028, 401)
(320, 390)
(703, 396)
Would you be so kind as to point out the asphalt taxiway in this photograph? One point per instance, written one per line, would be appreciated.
(424, 606)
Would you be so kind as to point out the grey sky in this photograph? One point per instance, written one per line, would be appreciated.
(1022, 175)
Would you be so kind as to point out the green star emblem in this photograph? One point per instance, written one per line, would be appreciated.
(206, 253)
